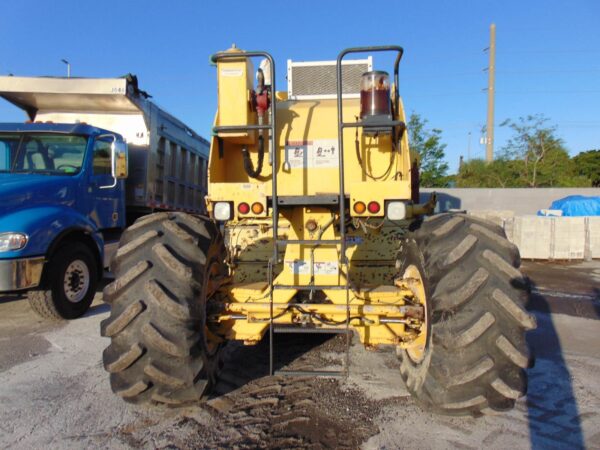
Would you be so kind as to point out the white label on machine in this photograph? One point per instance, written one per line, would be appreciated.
(301, 267)
(325, 153)
(322, 153)
(296, 155)
(232, 72)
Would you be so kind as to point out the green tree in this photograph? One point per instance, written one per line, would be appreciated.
(427, 142)
(587, 164)
(539, 156)
(500, 173)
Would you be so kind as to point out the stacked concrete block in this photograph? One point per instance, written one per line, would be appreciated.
(533, 236)
(593, 234)
(538, 237)
(504, 218)
(568, 237)
(509, 228)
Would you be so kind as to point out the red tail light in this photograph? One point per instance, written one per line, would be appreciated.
(373, 207)
(243, 208)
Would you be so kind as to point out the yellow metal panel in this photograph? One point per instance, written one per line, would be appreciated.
(308, 159)
(234, 77)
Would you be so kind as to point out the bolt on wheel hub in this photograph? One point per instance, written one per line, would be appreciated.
(414, 281)
(76, 281)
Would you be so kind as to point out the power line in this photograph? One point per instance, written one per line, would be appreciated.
(549, 52)
(451, 94)
(544, 71)
(551, 92)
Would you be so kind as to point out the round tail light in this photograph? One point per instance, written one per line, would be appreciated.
(360, 208)
(244, 208)
(374, 207)
(257, 208)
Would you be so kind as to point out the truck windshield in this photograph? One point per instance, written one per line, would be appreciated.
(51, 154)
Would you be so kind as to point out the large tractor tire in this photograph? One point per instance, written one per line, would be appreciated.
(162, 349)
(70, 284)
(473, 352)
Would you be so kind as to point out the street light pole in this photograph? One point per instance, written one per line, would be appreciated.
(469, 148)
(68, 67)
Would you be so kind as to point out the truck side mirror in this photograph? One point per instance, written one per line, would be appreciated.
(120, 160)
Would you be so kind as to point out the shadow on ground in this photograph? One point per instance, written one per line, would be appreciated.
(254, 410)
(244, 364)
(552, 411)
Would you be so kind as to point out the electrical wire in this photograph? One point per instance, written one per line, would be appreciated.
(365, 166)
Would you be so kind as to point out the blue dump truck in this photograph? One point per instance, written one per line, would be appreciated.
(95, 155)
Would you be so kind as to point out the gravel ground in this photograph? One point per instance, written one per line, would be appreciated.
(55, 394)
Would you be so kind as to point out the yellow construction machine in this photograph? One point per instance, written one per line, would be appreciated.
(315, 226)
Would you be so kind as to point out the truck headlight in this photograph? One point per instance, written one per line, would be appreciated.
(12, 241)
(396, 210)
(222, 211)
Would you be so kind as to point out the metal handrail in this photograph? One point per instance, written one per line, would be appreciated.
(249, 54)
(341, 125)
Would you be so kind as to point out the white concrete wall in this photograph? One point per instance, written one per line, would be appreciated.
(520, 200)
(594, 236)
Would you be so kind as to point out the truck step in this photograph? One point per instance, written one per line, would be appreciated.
(309, 241)
(309, 288)
(308, 200)
(309, 330)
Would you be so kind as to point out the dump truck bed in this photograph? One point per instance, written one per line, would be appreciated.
(167, 158)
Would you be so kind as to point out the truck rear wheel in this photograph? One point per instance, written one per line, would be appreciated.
(473, 352)
(71, 284)
(162, 349)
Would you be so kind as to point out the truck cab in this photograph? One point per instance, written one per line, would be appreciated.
(63, 200)
(66, 194)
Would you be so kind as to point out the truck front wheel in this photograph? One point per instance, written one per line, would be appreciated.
(70, 284)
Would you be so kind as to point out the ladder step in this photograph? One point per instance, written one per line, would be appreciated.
(312, 373)
(308, 200)
(308, 288)
(305, 330)
(309, 241)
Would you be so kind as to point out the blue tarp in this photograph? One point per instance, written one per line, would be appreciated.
(577, 205)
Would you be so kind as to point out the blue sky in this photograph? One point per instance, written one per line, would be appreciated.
(548, 53)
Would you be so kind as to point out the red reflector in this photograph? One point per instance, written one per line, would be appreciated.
(373, 207)
(243, 208)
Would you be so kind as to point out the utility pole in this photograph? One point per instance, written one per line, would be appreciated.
(489, 145)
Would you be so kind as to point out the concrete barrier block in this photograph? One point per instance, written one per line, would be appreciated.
(509, 228)
(594, 236)
(504, 218)
(569, 238)
(533, 236)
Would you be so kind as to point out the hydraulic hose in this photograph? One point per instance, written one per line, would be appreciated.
(248, 166)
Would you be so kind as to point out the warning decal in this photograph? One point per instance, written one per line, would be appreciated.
(301, 267)
(322, 153)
